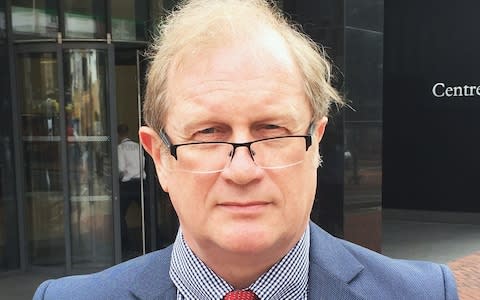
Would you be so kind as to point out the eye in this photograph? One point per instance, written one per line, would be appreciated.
(210, 134)
(271, 126)
(210, 130)
(271, 130)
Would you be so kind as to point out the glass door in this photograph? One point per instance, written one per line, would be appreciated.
(148, 220)
(63, 92)
(131, 159)
(38, 94)
(89, 167)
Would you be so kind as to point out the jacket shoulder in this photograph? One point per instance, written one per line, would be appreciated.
(401, 279)
(117, 282)
(344, 268)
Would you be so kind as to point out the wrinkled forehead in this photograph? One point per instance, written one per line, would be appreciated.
(265, 52)
(253, 46)
(238, 77)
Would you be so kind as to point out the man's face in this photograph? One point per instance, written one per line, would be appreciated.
(240, 93)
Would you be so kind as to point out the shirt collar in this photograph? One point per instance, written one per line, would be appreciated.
(287, 279)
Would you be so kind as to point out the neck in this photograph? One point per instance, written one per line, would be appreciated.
(240, 269)
(241, 272)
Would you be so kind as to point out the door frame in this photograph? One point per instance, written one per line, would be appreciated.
(148, 207)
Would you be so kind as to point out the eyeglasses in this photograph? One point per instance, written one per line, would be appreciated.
(268, 153)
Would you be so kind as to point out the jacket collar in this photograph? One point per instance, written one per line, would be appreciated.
(332, 267)
(154, 282)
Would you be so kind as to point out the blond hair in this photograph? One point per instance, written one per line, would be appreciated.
(201, 23)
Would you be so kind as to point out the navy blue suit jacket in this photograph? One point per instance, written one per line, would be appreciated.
(338, 270)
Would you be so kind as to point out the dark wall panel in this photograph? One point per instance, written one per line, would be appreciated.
(431, 144)
(349, 185)
(363, 123)
(323, 21)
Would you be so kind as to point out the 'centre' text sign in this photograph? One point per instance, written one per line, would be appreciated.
(441, 90)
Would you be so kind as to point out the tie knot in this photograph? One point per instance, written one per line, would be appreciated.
(240, 295)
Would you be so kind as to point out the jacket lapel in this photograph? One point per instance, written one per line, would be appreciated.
(332, 267)
(154, 282)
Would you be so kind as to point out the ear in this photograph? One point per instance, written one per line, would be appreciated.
(152, 143)
(320, 129)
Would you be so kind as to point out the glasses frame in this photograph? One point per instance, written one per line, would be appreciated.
(173, 147)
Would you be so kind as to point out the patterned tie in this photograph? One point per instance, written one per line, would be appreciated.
(240, 295)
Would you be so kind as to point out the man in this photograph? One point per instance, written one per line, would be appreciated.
(129, 165)
(130, 169)
(236, 105)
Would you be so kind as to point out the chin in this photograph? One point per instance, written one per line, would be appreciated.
(249, 247)
(249, 240)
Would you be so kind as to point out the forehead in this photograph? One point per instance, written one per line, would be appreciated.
(264, 50)
(223, 78)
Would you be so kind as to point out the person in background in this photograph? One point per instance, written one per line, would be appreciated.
(237, 101)
(130, 170)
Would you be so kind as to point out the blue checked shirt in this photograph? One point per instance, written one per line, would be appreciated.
(287, 279)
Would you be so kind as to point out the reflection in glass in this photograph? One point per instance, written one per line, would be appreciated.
(129, 19)
(37, 91)
(9, 254)
(363, 166)
(89, 157)
(34, 18)
(363, 183)
(85, 19)
(128, 149)
(3, 28)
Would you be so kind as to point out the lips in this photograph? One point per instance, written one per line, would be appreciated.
(245, 207)
(244, 204)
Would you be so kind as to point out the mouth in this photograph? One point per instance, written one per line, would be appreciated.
(244, 207)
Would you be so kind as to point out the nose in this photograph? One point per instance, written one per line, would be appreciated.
(246, 145)
(242, 168)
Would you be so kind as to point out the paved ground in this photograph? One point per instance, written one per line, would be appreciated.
(454, 241)
(467, 274)
(21, 286)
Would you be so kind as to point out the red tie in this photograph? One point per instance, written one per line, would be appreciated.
(240, 295)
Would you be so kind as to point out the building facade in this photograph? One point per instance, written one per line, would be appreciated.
(72, 71)
(432, 83)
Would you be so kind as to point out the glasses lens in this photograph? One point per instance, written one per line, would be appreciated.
(279, 152)
(214, 157)
(207, 157)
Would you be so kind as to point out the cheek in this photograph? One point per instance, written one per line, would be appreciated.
(189, 193)
(299, 189)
